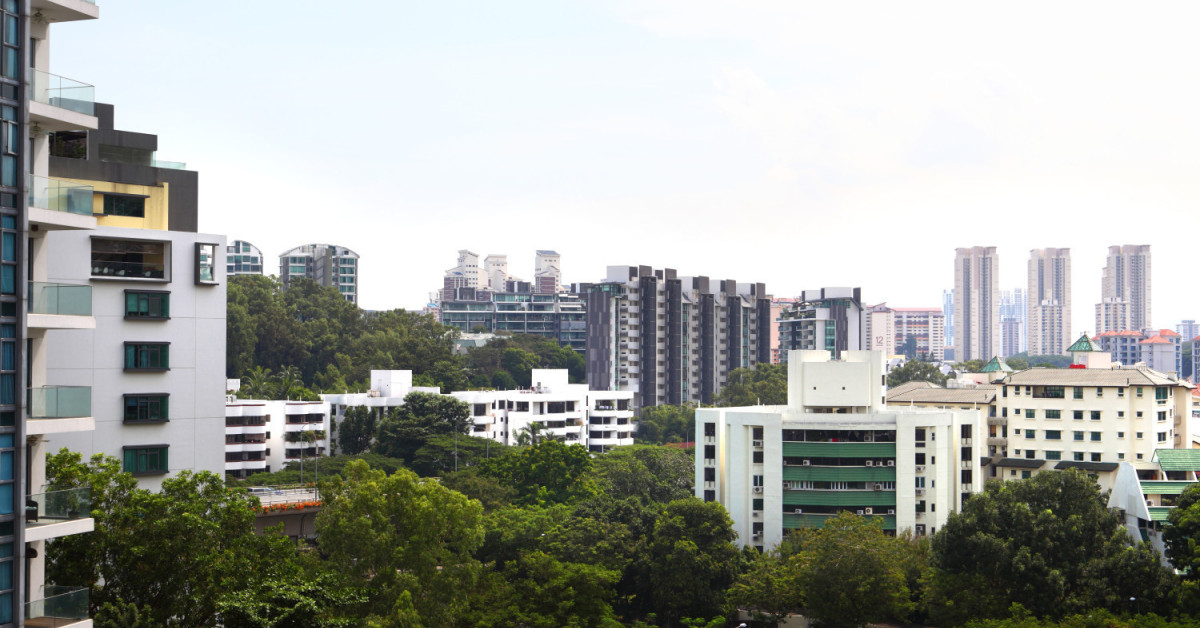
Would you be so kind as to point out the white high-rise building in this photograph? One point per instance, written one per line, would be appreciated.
(976, 303)
(1049, 295)
(330, 265)
(547, 273)
(1125, 280)
(837, 447)
(495, 269)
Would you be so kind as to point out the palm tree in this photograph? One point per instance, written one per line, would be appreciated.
(533, 434)
(288, 380)
(257, 384)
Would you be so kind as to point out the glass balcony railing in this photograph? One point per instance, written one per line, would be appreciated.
(60, 196)
(58, 91)
(173, 165)
(59, 298)
(60, 402)
(61, 606)
(65, 505)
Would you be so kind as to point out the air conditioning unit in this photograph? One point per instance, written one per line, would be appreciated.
(891, 463)
(806, 463)
(920, 492)
(870, 463)
(758, 535)
(891, 511)
(869, 511)
(920, 468)
(858, 512)
(758, 489)
(799, 511)
(879, 487)
(757, 443)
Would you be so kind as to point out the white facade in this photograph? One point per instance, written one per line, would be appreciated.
(835, 447)
(263, 435)
(547, 273)
(1126, 278)
(192, 380)
(243, 258)
(495, 267)
(598, 420)
(388, 390)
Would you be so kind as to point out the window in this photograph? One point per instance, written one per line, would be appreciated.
(1078, 456)
(710, 429)
(1053, 455)
(1077, 435)
(756, 504)
(147, 304)
(146, 459)
(1078, 415)
(1099, 391)
(129, 259)
(1096, 436)
(206, 263)
(1120, 393)
(1140, 456)
(1120, 456)
(1053, 435)
(1139, 414)
(919, 433)
(1162, 415)
(920, 481)
(1162, 437)
(1029, 413)
(1053, 414)
(710, 452)
(758, 480)
(1026, 474)
(1120, 434)
(1120, 414)
(758, 457)
(1030, 453)
(919, 459)
(1138, 435)
(1161, 393)
(1095, 415)
(1139, 392)
(146, 408)
(1095, 457)
(1078, 393)
(710, 474)
(147, 356)
(124, 205)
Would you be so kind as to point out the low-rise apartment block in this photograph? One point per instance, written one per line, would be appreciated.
(263, 435)
(596, 419)
(561, 317)
(836, 446)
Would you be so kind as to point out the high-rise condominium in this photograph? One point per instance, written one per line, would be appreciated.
(1014, 326)
(976, 303)
(673, 340)
(326, 264)
(1049, 297)
(243, 258)
(1125, 289)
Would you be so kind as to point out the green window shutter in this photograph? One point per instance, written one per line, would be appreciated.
(165, 306)
(163, 413)
(130, 460)
(162, 460)
(130, 356)
(131, 303)
(163, 356)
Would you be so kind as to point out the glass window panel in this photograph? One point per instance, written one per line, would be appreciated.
(8, 279)
(6, 549)
(6, 465)
(6, 499)
(8, 359)
(6, 575)
(8, 389)
(10, 63)
(10, 247)
(6, 607)
(6, 440)
(10, 29)
(8, 170)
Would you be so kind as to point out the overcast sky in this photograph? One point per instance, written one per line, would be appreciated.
(797, 144)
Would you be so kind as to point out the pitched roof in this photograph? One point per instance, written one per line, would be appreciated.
(1105, 334)
(1164, 488)
(1084, 344)
(1159, 513)
(907, 386)
(1130, 332)
(1178, 459)
(996, 365)
(980, 394)
(1168, 333)
(1155, 340)
(1128, 376)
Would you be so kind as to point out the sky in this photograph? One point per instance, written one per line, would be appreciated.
(798, 144)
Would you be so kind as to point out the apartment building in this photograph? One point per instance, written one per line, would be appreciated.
(559, 316)
(495, 271)
(671, 339)
(264, 435)
(547, 273)
(828, 319)
(1159, 349)
(1144, 499)
(1049, 295)
(330, 265)
(243, 258)
(836, 446)
(1093, 416)
(1014, 310)
(596, 419)
(388, 390)
(879, 329)
(976, 303)
(1125, 289)
(948, 313)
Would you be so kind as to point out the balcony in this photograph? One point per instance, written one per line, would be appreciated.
(60, 608)
(57, 409)
(58, 513)
(57, 103)
(65, 10)
(58, 204)
(60, 306)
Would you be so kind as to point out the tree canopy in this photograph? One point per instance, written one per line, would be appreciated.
(765, 384)
(915, 371)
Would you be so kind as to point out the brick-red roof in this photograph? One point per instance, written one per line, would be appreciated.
(1155, 340)
(1167, 333)
(1129, 332)
(1106, 334)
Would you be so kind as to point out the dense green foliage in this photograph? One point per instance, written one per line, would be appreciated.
(915, 371)
(1023, 360)
(658, 425)
(765, 384)
(505, 363)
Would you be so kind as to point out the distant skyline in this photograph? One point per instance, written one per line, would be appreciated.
(798, 145)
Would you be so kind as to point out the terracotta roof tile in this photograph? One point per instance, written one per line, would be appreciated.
(1155, 340)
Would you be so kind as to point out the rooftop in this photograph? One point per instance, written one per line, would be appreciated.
(1128, 376)
(930, 393)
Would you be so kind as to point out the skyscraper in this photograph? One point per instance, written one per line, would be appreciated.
(1013, 321)
(1125, 289)
(327, 264)
(948, 315)
(976, 303)
(1049, 296)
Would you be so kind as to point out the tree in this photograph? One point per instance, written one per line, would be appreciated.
(914, 371)
(407, 428)
(648, 473)
(534, 433)
(258, 384)
(1182, 535)
(770, 589)
(520, 364)
(444, 454)
(658, 425)
(1048, 543)
(765, 384)
(538, 591)
(970, 366)
(356, 430)
(206, 529)
(688, 562)
(852, 573)
(546, 473)
(406, 542)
